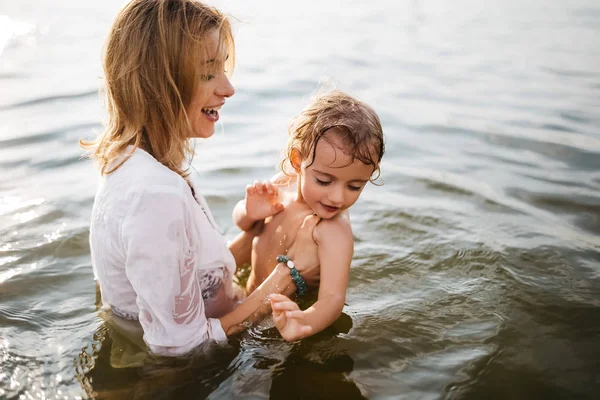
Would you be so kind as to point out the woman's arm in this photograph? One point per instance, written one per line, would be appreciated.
(241, 245)
(335, 255)
(240, 217)
(160, 259)
(256, 306)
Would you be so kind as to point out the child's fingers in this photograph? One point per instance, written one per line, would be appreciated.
(260, 187)
(277, 208)
(266, 187)
(278, 297)
(276, 312)
(272, 189)
(280, 302)
(278, 315)
(287, 305)
(294, 314)
(306, 330)
(269, 187)
(276, 304)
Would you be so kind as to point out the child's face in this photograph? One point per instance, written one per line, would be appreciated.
(332, 183)
(209, 97)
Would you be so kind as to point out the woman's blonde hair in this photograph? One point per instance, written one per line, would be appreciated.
(336, 112)
(155, 58)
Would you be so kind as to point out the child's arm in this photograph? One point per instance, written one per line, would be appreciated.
(254, 307)
(336, 248)
(261, 201)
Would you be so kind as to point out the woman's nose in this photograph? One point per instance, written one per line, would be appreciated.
(225, 89)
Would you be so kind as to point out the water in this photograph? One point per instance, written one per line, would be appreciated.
(477, 268)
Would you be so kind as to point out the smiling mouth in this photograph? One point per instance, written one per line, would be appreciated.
(330, 208)
(212, 113)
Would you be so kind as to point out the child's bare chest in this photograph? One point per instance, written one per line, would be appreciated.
(277, 237)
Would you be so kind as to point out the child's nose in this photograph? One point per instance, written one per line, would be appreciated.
(336, 196)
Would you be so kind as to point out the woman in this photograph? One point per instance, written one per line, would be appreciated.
(156, 250)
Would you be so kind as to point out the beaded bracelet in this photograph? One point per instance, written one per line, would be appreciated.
(301, 288)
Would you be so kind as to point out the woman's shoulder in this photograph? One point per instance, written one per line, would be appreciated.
(142, 173)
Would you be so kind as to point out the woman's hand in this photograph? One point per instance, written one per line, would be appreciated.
(262, 200)
(304, 252)
(288, 318)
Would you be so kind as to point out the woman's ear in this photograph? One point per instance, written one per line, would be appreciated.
(295, 159)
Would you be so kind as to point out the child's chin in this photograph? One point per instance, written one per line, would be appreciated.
(327, 215)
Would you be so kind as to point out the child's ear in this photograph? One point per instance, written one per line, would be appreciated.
(295, 159)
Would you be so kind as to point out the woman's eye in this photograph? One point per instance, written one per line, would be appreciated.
(207, 77)
(322, 183)
(354, 188)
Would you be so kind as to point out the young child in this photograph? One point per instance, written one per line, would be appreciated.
(334, 150)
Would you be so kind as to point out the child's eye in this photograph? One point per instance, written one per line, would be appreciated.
(322, 183)
(354, 188)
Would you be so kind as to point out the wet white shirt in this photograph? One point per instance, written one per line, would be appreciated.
(159, 256)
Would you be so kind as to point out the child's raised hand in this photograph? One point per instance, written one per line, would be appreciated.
(288, 318)
(262, 200)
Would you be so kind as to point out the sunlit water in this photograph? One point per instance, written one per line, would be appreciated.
(477, 269)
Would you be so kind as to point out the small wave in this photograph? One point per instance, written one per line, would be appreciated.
(563, 72)
(471, 259)
(550, 133)
(555, 223)
(14, 203)
(56, 163)
(42, 137)
(50, 99)
(27, 320)
(575, 117)
(33, 254)
(32, 218)
(449, 181)
(586, 209)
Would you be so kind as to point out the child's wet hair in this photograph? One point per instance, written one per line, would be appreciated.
(337, 113)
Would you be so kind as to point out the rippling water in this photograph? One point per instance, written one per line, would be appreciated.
(477, 266)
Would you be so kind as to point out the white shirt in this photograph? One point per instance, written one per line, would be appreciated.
(152, 245)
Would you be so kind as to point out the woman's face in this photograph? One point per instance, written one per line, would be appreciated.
(209, 96)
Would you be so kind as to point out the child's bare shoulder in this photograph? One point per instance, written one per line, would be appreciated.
(281, 179)
(337, 230)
